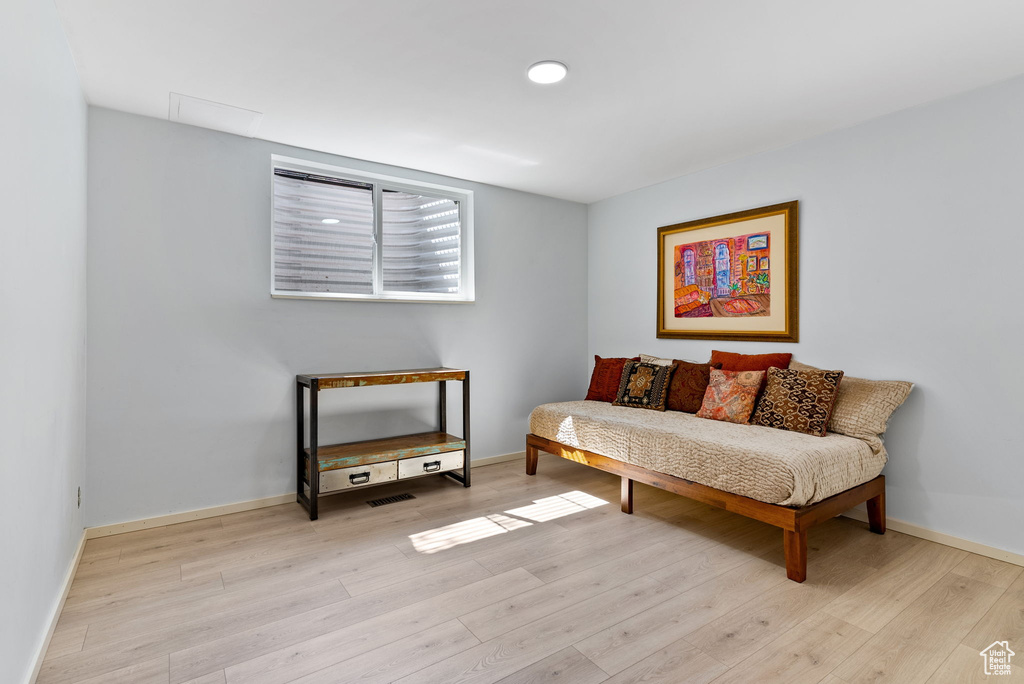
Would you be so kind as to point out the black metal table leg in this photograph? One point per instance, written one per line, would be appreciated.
(465, 428)
(300, 465)
(314, 469)
(442, 406)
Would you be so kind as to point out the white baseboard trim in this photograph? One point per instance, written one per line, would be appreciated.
(503, 458)
(214, 511)
(940, 537)
(198, 514)
(69, 577)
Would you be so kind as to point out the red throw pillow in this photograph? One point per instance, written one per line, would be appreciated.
(688, 385)
(750, 362)
(604, 382)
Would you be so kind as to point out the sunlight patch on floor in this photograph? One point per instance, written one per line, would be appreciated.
(559, 506)
(468, 531)
(464, 532)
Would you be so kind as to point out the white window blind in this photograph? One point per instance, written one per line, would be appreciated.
(313, 256)
(421, 243)
(344, 234)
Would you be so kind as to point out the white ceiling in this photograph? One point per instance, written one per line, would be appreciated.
(656, 88)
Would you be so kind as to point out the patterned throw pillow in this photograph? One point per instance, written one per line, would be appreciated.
(655, 360)
(863, 407)
(798, 400)
(604, 382)
(643, 385)
(731, 395)
(688, 385)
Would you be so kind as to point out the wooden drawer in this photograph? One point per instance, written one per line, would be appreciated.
(358, 476)
(427, 465)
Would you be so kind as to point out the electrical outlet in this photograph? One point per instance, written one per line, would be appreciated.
(79, 497)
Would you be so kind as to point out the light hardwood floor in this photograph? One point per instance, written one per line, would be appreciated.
(525, 580)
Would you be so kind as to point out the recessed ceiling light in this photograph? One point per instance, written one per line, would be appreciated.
(330, 221)
(548, 71)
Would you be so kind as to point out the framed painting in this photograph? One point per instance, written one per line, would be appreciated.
(731, 277)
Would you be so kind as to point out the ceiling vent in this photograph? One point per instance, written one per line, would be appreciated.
(219, 117)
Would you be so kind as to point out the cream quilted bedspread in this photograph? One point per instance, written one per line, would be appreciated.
(775, 466)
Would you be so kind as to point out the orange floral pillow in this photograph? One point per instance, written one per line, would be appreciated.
(731, 395)
(644, 385)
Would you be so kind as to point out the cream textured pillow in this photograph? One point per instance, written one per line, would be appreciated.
(655, 360)
(863, 407)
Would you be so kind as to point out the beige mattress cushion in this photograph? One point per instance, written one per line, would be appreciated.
(775, 466)
(863, 407)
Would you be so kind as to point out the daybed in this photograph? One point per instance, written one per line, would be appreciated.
(787, 479)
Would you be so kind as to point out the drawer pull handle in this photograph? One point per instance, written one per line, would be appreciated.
(359, 478)
(431, 467)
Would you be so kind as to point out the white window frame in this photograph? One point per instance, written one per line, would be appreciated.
(464, 197)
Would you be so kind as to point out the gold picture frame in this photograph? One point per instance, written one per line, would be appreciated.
(714, 280)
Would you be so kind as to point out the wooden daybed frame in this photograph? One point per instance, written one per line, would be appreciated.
(794, 521)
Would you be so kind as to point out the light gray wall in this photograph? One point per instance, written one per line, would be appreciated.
(911, 268)
(42, 325)
(192, 364)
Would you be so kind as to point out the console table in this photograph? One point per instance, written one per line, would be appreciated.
(341, 467)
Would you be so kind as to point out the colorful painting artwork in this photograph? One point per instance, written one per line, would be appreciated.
(721, 278)
(731, 277)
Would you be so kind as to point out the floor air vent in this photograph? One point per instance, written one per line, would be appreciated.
(390, 500)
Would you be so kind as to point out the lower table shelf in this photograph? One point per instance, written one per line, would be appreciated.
(334, 456)
(357, 464)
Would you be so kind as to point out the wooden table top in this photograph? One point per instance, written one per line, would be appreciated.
(387, 377)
